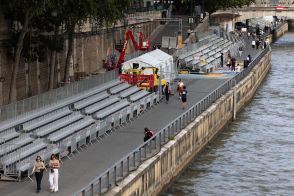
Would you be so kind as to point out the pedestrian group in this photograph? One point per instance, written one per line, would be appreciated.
(53, 166)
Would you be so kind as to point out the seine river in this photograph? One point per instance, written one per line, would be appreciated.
(255, 154)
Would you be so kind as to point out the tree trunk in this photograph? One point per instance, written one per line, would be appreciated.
(15, 66)
(69, 53)
(53, 61)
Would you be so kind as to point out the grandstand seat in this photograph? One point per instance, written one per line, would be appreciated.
(128, 92)
(45, 119)
(42, 111)
(139, 95)
(69, 130)
(7, 135)
(118, 88)
(90, 100)
(100, 105)
(49, 128)
(21, 153)
(111, 109)
(15, 144)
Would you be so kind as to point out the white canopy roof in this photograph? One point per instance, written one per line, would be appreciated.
(156, 58)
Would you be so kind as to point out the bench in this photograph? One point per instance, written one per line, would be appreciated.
(88, 101)
(100, 105)
(111, 109)
(15, 144)
(139, 95)
(47, 129)
(65, 102)
(23, 152)
(38, 122)
(7, 135)
(65, 132)
(128, 92)
(119, 88)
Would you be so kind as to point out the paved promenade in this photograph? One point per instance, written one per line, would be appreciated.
(76, 173)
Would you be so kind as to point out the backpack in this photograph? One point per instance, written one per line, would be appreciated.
(184, 94)
(150, 134)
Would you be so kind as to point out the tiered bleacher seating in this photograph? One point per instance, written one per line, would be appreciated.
(90, 100)
(67, 124)
(208, 56)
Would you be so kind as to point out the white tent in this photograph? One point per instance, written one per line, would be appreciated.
(156, 58)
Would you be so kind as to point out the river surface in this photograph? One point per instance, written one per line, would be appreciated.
(255, 154)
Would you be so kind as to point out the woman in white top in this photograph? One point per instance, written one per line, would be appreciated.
(54, 165)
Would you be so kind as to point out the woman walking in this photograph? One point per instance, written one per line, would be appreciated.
(54, 165)
(38, 169)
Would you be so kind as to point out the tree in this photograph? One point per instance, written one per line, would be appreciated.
(22, 12)
(72, 13)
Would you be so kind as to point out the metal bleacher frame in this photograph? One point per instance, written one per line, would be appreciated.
(66, 128)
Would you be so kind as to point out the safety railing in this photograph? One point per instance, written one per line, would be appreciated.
(13, 110)
(129, 163)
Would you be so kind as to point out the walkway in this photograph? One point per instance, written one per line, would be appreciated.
(76, 173)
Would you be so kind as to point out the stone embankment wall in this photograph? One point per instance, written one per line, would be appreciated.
(88, 53)
(157, 172)
(279, 32)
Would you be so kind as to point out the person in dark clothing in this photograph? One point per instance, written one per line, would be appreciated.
(233, 64)
(184, 97)
(247, 61)
(222, 60)
(257, 44)
(38, 169)
(148, 134)
(167, 92)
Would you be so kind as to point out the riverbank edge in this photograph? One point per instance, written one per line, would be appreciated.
(157, 172)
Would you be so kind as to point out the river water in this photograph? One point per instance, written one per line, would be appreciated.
(255, 154)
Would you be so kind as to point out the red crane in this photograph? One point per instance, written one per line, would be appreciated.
(129, 35)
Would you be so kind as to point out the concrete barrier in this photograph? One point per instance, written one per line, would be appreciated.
(157, 172)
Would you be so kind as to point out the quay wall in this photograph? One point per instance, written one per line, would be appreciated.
(157, 172)
(280, 31)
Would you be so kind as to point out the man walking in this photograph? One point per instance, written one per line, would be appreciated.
(167, 92)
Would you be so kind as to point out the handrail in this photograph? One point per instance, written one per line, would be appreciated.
(121, 168)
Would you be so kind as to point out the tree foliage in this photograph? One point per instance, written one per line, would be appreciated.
(42, 16)
(211, 6)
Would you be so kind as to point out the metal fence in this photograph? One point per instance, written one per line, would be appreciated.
(51, 97)
(129, 163)
(189, 47)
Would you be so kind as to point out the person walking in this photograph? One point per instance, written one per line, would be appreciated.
(38, 169)
(229, 64)
(257, 44)
(184, 97)
(253, 44)
(222, 59)
(240, 51)
(180, 88)
(167, 92)
(233, 66)
(54, 165)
